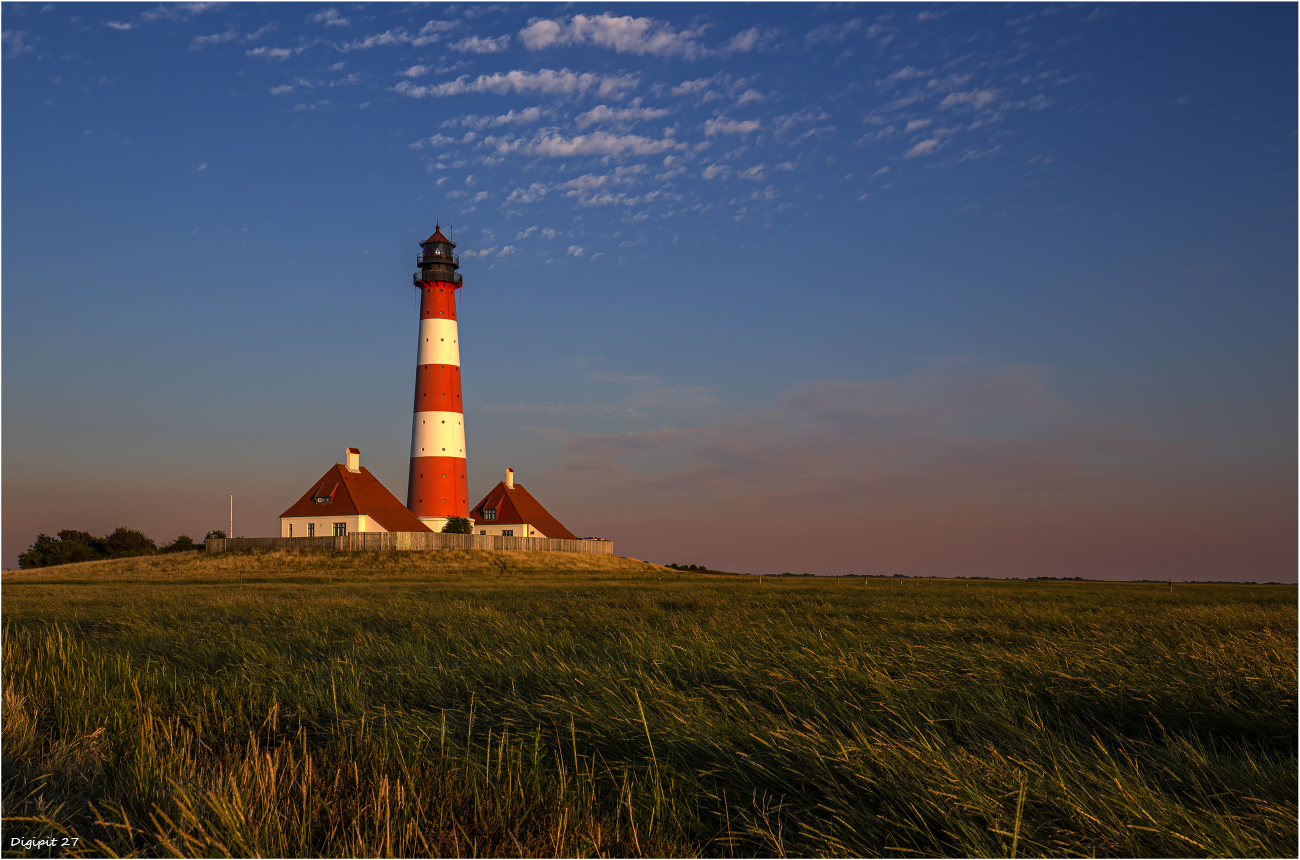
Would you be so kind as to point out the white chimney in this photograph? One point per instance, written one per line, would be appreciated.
(510, 479)
(354, 459)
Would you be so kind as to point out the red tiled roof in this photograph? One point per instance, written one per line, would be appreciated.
(354, 493)
(517, 506)
(438, 237)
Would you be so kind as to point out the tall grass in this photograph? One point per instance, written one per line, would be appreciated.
(514, 704)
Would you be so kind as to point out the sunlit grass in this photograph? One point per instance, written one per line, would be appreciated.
(462, 702)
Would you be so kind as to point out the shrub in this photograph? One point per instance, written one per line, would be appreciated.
(183, 543)
(215, 533)
(458, 526)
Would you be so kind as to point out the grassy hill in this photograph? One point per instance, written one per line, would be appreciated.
(464, 702)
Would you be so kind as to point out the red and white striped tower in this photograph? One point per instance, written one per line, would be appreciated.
(437, 489)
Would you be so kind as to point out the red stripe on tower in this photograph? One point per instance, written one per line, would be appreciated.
(438, 488)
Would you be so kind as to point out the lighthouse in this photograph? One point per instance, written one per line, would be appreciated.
(437, 488)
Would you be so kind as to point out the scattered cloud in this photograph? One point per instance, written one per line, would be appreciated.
(329, 17)
(526, 116)
(722, 125)
(907, 73)
(600, 143)
(753, 39)
(531, 194)
(477, 45)
(622, 34)
(604, 114)
(977, 99)
(430, 33)
(925, 147)
(545, 82)
(15, 42)
(575, 251)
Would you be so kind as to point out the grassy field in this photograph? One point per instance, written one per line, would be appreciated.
(472, 703)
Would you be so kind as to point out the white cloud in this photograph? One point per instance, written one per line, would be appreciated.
(925, 147)
(215, 39)
(755, 173)
(752, 39)
(722, 125)
(282, 89)
(623, 34)
(749, 96)
(546, 82)
(906, 73)
(575, 250)
(606, 114)
(715, 170)
(330, 18)
(698, 87)
(275, 53)
(203, 166)
(600, 143)
(531, 194)
(179, 11)
(511, 117)
(524, 234)
(477, 45)
(977, 99)
(429, 34)
(119, 25)
(783, 124)
(15, 42)
(917, 124)
(508, 249)
(833, 32)
(881, 172)
(548, 233)
(414, 71)
(785, 165)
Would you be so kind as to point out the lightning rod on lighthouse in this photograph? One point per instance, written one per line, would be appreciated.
(437, 488)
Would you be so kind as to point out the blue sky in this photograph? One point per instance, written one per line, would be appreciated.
(924, 289)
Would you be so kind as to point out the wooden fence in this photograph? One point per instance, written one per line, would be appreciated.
(374, 541)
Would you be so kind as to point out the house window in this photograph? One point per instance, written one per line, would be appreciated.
(507, 533)
(311, 530)
(482, 532)
(340, 529)
(489, 513)
(290, 529)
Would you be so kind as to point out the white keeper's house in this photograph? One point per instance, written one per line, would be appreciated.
(511, 511)
(348, 499)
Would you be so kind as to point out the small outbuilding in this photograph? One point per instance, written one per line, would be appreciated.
(510, 511)
(347, 499)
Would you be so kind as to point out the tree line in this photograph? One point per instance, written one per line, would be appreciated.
(71, 546)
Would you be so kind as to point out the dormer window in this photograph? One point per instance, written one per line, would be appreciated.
(489, 513)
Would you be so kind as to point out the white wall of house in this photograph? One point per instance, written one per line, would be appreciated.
(519, 529)
(325, 525)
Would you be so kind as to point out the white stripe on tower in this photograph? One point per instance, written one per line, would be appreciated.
(438, 434)
(438, 342)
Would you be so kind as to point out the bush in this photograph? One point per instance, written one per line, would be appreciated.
(73, 546)
(215, 533)
(458, 526)
(48, 551)
(184, 543)
(125, 542)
